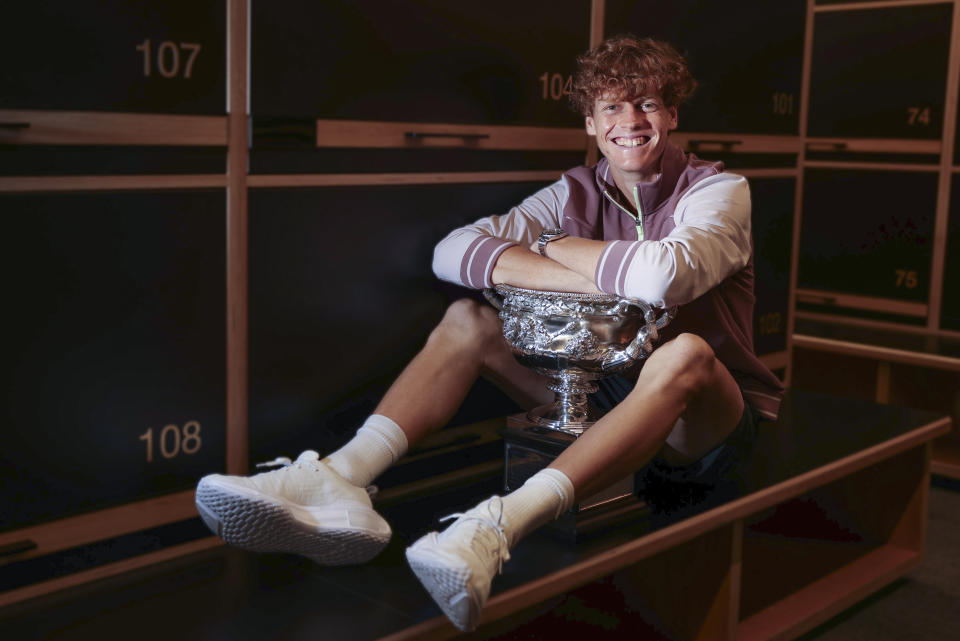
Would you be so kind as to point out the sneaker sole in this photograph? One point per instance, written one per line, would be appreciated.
(446, 578)
(259, 523)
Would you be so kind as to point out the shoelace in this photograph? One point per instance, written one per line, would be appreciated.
(493, 521)
(283, 461)
(280, 461)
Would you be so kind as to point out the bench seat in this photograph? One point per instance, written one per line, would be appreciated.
(835, 510)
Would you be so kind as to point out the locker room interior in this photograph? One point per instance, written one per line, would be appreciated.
(219, 218)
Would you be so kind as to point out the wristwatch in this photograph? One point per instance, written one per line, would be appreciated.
(548, 235)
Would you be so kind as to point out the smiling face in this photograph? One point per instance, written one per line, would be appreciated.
(632, 134)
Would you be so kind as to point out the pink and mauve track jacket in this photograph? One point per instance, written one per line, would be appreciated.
(690, 246)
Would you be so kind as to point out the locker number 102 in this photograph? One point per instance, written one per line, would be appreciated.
(172, 440)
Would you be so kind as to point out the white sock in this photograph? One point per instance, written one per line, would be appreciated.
(378, 444)
(545, 496)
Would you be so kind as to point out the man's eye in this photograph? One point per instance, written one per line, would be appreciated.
(649, 107)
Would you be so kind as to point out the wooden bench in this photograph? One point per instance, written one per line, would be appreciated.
(836, 510)
(904, 367)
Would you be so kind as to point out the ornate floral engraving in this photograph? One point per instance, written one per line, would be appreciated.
(575, 339)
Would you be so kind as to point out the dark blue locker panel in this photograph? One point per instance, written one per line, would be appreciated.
(342, 295)
(748, 58)
(950, 310)
(150, 56)
(417, 61)
(114, 347)
(880, 72)
(868, 233)
(772, 207)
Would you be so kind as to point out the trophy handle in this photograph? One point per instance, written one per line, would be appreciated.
(493, 298)
(642, 345)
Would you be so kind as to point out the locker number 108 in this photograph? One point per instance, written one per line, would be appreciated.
(172, 440)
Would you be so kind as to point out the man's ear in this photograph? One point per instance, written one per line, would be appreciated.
(591, 129)
(673, 118)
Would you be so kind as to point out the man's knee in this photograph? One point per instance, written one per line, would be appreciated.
(468, 322)
(686, 360)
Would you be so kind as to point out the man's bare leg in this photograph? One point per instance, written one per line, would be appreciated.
(685, 402)
(466, 344)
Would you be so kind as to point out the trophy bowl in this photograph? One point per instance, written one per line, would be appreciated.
(574, 340)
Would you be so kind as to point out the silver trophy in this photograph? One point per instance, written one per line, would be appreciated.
(574, 340)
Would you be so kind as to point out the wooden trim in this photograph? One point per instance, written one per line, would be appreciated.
(22, 184)
(804, 609)
(237, 322)
(798, 194)
(779, 172)
(741, 143)
(942, 220)
(854, 301)
(872, 166)
(104, 571)
(598, 10)
(910, 530)
(418, 135)
(875, 324)
(736, 578)
(877, 352)
(883, 4)
(102, 524)
(108, 128)
(776, 360)
(949, 469)
(333, 180)
(875, 145)
(882, 387)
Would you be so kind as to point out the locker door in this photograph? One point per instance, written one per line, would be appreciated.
(772, 205)
(114, 55)
(113, 370)
(869, 233)
(880, 72)
(747, 58)
(950, 311)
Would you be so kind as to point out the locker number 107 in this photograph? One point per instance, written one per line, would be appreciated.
(171, 59)
(172, 440)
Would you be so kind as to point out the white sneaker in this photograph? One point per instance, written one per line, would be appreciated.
(457, 565)
(304, 508)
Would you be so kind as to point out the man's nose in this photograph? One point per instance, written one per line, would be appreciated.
(633, 116)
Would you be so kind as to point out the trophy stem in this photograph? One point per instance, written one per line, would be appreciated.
(571, 410)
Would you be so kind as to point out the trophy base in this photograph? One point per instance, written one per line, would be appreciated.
(530, 447)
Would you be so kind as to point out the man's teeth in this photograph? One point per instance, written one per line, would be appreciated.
(632, 142)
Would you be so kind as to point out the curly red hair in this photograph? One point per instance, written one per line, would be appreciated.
(626, 66)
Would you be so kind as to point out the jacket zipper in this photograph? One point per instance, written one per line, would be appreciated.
(638, 219)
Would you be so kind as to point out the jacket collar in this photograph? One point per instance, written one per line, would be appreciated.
(654, 193)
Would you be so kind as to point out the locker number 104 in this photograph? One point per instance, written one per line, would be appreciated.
(172, 440)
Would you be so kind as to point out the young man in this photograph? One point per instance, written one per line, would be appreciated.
(649, 222)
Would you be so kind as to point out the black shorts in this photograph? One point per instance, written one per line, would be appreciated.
(677, 490)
